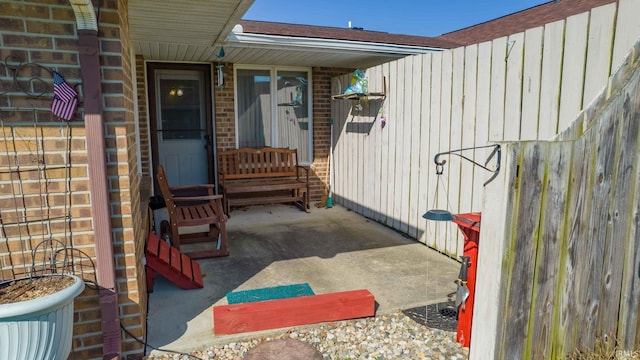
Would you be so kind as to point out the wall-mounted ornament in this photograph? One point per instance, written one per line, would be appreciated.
(30, 79)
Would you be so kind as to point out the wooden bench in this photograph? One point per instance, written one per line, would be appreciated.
(262, 176)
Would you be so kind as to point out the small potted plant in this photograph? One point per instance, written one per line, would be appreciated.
(36, 311)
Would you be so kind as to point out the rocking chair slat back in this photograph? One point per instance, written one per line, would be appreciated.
(187, 206)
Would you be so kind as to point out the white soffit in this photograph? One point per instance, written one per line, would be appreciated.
(253, 48)
(184, 30)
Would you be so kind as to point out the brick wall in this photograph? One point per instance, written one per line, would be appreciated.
(322, 130)
(143, 117)
(225, 110)
(56, 202)
(128, 217)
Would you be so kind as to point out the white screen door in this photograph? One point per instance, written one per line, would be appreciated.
(181, 126)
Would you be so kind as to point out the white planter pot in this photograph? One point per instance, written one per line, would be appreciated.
(40, 328)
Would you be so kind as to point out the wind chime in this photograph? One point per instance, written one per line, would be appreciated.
(219, 68)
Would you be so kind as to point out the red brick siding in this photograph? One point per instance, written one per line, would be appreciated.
(45, 33)
(128, 215)
(143, 117)
(225, 110)
(322, 130)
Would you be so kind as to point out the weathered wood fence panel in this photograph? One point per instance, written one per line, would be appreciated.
(521, 244)
(527, 86)
(629, 183)
(549, 244)
(490, 302)
(567, 244)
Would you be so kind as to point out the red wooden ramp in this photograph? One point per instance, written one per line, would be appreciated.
(167, 261)
(302, 310)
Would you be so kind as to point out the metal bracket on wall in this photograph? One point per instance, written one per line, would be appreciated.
(28, 78)
(495, 153)
(36, 86)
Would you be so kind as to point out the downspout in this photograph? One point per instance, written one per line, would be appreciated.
(89, 51)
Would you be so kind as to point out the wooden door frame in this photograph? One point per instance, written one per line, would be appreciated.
(152, 67)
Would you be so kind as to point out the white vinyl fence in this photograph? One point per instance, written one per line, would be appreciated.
(526, 86)
(560, 269)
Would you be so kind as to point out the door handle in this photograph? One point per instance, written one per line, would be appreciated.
(208, 141)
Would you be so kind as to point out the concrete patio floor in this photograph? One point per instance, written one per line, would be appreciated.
(330, 249)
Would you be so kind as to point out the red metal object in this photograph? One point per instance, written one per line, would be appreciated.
(469, 225)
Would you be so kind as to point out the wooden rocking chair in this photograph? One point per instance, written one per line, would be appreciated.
(187, 207)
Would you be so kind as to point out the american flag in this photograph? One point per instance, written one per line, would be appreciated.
(65, 99)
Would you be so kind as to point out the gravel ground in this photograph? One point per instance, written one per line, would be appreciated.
(398, 335)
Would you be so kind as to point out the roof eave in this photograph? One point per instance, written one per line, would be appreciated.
(249, 40)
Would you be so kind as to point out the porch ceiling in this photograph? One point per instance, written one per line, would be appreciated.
(166, 30)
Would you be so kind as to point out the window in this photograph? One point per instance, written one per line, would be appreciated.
(180, 109)
(273, 108)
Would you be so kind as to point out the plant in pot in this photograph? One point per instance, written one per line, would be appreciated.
(36, 311)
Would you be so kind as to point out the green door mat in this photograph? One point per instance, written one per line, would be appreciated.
(271, 293)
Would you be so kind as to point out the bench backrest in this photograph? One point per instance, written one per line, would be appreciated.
(248, 163)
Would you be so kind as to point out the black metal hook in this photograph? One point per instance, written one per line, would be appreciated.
(496, 152)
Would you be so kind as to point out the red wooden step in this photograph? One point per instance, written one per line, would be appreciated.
(302, 310)
(167, 261)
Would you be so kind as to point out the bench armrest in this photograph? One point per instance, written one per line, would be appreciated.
(192, 187)
(306, 171)
(197, 198)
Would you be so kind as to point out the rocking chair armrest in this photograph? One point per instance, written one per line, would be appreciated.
(219, 210)
(196, 198)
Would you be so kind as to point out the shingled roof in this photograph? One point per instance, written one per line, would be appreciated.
(349, 34)
(521, 21)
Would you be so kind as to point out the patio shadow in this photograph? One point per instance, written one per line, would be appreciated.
(331, 249)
